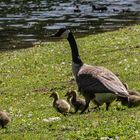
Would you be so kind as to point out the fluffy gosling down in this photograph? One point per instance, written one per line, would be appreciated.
(60, 105)
(131, 101)
(76, 103)
(4, 119)
(130, 91)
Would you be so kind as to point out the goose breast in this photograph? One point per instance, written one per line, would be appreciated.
(104, 98)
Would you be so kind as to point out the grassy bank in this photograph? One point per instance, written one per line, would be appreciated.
(28, 75)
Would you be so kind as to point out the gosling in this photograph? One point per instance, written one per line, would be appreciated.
(76, 103)
(130, 101)
(4, 119)
(60, 105)
(131, 92)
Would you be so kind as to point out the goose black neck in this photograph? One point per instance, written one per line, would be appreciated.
(74, 49)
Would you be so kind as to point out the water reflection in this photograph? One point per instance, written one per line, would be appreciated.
(25, 22)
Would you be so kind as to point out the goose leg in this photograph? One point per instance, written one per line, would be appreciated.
(129, 105)
(2, 125)
(97, 105)
(107, 106)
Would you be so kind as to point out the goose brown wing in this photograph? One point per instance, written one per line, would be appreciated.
(98, 80)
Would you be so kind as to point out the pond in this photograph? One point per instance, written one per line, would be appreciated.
(25, 22)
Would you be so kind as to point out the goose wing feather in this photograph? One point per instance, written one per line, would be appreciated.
(98, 80)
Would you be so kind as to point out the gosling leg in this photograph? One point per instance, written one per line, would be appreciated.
(86, 106)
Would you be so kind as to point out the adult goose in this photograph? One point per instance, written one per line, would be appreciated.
(92, 80)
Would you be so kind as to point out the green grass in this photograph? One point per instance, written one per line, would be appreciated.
(28, 75)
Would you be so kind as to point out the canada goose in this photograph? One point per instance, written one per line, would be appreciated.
(61, 105)
(77, 9)
(115, 10)
(91, 80)
(126, 10)
(99, 8)
(76, 102)
(4, 119)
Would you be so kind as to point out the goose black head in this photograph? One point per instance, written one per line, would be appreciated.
(62, 33)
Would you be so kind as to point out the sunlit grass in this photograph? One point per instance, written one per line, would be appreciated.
(28, 75)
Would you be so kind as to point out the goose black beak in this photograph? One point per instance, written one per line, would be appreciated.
(59, 33)
(53, 35)
(56, 35)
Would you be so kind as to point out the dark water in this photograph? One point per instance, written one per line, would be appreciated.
(25, 22)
